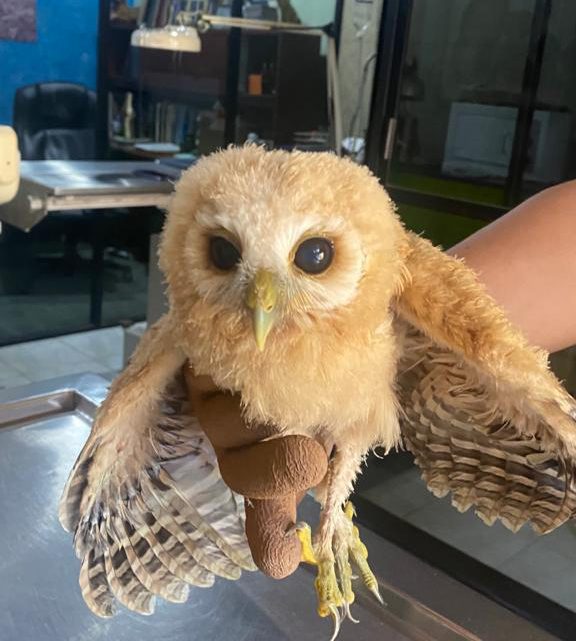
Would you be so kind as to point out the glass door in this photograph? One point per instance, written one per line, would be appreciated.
(465, 104)
(550, 149)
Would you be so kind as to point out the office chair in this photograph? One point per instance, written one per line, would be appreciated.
(55, 121)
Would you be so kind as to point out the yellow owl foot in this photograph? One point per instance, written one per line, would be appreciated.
(359, 555)
(334, 579)
(304, 533)
(330, 597)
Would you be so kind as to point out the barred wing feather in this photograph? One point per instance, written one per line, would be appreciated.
(468, 444)
(152, 526)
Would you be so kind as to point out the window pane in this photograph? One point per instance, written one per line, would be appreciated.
(551, 157)
(459, 96)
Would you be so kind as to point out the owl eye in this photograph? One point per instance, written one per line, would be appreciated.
(223, 254)
(314, 255)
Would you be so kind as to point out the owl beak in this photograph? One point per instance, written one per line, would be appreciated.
(261, 298)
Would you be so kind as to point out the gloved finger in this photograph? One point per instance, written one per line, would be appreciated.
(275, 468)
(274, 544)
(220, 414)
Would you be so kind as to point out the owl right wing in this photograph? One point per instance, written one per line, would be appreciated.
(145, 500)
(485, 418)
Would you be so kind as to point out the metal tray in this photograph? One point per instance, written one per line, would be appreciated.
(42, 429)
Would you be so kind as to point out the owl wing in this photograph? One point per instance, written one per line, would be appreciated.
(149, 511)
(483, 415)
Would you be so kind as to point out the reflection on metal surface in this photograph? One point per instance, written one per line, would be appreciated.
(42, 429)
(57, 185)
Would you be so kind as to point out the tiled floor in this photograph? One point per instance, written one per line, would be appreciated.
(99, 352)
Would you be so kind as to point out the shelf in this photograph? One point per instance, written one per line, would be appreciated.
(182, 89)
(263, 101)
(199, 82)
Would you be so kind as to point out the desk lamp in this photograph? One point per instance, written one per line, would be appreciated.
(185, 36)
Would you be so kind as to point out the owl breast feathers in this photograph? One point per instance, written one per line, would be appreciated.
(293, 283)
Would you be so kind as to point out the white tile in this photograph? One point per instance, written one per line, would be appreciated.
(101, 344)
(400, 494)
(111, 361)
(87, 366)
(10, 377)
(7, 370)
(45, 359)
(109, 375)
(41, 357)
(545, 570)
(490, 544)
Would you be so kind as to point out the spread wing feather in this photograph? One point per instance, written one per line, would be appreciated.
(466, 447)
(483, 415)
(151, 518)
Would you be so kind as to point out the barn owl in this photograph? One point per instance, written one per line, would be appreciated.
(293, 283)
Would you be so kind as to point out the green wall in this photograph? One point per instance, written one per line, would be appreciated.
(441, 228)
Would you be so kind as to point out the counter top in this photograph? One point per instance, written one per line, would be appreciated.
(43, 427)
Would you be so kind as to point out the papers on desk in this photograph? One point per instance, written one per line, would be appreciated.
(158, 147)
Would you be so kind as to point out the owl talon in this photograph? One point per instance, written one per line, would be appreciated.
(333, 558)
(359, 554)
(344, 574)
(329, 595)
(304, 533)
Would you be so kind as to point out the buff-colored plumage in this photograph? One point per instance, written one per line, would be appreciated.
(394, 340)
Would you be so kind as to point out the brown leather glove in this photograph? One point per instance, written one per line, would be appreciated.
(272, 475)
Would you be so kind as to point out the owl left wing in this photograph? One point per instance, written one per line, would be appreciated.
(483, 415)
(145, 500)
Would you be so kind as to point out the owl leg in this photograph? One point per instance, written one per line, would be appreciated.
(337, 541)
(359, 553)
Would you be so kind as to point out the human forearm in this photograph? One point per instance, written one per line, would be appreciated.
(527, 261)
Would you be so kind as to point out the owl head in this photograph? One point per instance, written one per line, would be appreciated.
(262, 246)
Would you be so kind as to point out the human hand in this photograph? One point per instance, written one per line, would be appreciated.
(272, 472)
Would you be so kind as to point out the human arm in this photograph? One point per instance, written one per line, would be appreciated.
(527, 261)
(272, 473)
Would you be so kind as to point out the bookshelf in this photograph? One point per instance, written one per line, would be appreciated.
(242, 82)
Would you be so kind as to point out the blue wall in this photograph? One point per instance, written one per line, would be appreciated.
(66, 49)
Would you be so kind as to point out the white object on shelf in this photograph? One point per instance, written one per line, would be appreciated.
(480, 140)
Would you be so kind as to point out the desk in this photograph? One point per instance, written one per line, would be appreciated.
(59, 186)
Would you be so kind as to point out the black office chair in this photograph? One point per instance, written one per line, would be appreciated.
(57, 121)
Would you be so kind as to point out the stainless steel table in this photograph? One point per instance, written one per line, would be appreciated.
(43, 427)
(61, 185)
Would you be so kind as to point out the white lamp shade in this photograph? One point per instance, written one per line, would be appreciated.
(172, 38)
